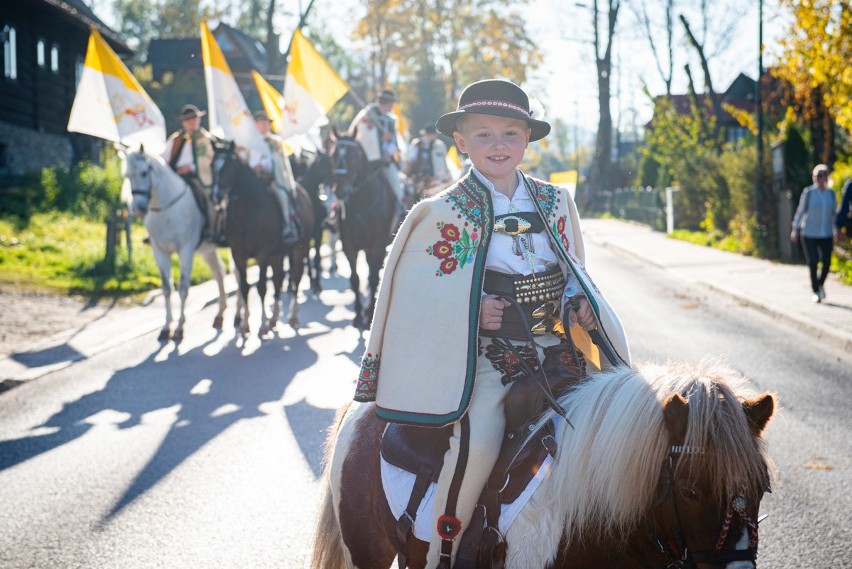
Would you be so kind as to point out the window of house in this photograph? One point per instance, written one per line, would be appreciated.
(40, 53)
(54, 58)
(10, 53)
(78, 70)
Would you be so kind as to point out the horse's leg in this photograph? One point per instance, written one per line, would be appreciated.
(242, 316)
(164, 266)
(355, 285)
(297, 270)
(277, 286)
(263, 265)
(374, 262)
(315, 264)
(214, 261)
(185, 254)
(333, 237)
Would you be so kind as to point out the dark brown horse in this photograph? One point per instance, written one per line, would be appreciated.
(664, 468)
(367, 211)
(317, 174)
(253, 230)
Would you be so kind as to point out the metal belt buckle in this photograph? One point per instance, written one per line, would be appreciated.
(512, 226)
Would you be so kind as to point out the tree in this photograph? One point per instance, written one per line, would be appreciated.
(665, 66)
(815, 59)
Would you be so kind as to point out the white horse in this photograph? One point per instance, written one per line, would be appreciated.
(175, 225)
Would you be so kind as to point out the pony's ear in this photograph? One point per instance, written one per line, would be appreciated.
(759, 410)
(141, 149)
(676, 415)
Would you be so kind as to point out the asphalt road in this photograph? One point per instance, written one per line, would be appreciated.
(209, 455)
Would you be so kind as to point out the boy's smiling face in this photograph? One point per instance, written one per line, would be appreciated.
(495, 146)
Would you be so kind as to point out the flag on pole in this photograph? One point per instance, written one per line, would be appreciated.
(111, 104)
(311, 88)
(453, 161)
(272, 100)
(229, 115)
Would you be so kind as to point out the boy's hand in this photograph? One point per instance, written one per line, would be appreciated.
(491, 315)
(583, 315)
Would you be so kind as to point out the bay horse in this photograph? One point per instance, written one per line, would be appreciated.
(175, 224)
(253, 224)
(664, 467)
(365, 217)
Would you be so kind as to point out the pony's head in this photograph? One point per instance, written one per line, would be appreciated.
(349, 163)
(670, 459)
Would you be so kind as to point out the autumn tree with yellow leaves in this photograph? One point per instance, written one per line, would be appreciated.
(815, 60)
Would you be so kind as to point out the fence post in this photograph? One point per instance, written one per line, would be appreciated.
(111, 239)
(670, 209)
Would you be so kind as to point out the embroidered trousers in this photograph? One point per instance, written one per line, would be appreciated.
(474, 447)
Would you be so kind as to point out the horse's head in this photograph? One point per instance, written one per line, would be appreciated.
(706, 503)
(349, 163)
(139, 172)
(224, 170)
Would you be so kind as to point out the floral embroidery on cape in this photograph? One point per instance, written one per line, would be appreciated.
(365, 389)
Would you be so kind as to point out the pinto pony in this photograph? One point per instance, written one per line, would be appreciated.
(664, 467)
(175, 224)
(253, 225)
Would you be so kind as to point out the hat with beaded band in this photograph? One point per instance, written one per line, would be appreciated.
(496, 97)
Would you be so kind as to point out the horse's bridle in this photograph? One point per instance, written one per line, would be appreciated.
(675, 549)
(146, 190)
(358, 181)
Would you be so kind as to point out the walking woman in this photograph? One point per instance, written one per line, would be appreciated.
(814, 223)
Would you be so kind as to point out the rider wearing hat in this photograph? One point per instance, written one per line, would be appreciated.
(279, 175)
(427, 161)
(375, 128)
(189, 152)
(459, 258)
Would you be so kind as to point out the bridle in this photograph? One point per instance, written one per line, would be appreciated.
(341, 171)
(145, 190)
(675, 549)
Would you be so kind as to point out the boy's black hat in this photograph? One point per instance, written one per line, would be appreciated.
(495, 97)
(190, 112)
(261, 116)
(387, 96)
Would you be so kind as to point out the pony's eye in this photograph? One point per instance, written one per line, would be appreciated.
(689, 493)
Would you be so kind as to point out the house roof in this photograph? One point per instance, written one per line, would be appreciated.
(83, 17)
(241, 51)
(739, 94)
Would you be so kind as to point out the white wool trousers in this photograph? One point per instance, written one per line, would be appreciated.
(474, 448)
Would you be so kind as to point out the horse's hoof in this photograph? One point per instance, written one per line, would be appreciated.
(177, 337)
(237, 322)
(294, 323)
(217, 322)
(164, 336)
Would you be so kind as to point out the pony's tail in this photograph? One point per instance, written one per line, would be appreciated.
(328, 541)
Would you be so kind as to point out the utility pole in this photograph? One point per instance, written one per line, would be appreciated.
(758, 187)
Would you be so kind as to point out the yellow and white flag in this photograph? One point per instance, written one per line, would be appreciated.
(228, 113)
(111, 104)
(271, 99)
(453, 161)
(311, 88)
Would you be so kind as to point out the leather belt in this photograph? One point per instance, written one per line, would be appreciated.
(538, 295)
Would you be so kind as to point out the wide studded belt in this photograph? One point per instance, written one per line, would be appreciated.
(538, 295)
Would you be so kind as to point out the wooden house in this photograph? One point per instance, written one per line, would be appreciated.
(44, 46)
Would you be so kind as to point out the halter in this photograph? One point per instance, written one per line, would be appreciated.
(146, 192)
(679, 556)
(356, 183)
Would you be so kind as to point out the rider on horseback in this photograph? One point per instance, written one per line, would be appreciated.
(278, 176)
(427, 162)
(489, 274)
(189, 152)
(375, 128)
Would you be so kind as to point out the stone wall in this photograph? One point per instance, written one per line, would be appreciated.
(25, 150)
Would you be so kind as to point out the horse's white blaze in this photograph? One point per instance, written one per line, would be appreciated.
(741, 544)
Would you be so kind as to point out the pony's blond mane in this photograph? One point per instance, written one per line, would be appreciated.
(609, 464)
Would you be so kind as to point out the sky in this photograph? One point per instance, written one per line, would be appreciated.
(566, 81)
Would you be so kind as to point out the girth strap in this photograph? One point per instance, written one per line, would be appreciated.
(406, 521)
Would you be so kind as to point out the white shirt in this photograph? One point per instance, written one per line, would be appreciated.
(501, 251)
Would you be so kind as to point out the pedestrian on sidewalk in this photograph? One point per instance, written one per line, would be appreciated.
(844, 214)
(813, 224)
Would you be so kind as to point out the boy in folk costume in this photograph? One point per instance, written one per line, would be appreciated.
(437, 352)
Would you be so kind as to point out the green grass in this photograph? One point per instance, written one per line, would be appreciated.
(64, 254)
